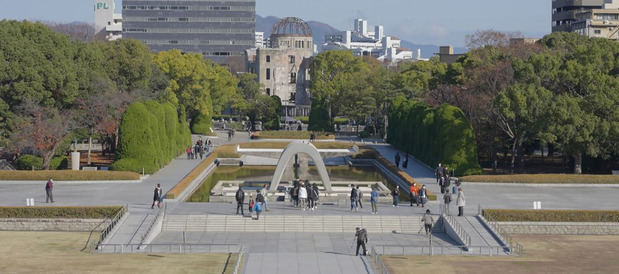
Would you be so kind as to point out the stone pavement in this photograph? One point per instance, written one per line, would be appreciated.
(290, 252)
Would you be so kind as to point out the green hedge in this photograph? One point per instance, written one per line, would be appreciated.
(27, 162)
(60, 212)
(292, 134)
(434, 135)
(201, 125)
(67, 175)
(151, 134)
(319, 119)
(514, 215)
(544, 179)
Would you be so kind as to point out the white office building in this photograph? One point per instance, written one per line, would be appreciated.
(108, 25)
(364, 42)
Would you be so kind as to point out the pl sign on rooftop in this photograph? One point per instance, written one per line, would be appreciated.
(102, 5)
(104, 14)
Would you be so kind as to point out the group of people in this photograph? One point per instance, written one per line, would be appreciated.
(198, 150)
(442, 178)
(418, 195)
(355, 199)
(304, 195)
(397, 160)
(254, 205)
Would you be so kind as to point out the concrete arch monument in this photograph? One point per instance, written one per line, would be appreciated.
(287, 155)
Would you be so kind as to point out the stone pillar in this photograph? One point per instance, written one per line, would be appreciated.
(75, 160)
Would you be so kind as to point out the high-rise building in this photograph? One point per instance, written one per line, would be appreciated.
(108, 25)
(220, 30)
(600, 23)
(564, 12)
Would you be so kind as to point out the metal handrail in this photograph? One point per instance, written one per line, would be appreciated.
(377, 261)
(513, 246)
(160, 214)
(112, 224)
(466, 239)
(170, 248)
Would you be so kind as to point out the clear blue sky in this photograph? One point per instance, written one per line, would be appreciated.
(420, 21)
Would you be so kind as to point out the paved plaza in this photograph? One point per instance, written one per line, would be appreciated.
(303, 252)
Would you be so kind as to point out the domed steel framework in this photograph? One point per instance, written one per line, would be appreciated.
(292, 26)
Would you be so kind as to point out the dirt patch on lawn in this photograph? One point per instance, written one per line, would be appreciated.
(543, 254)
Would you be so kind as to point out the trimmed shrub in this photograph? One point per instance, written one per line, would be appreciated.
(151, 134)
(516, 215)
(201, 125)
(27, 162)
(67, 175)
(292, 134)
(319, 119)
(60, 212)
(544, 179)
(434, 135)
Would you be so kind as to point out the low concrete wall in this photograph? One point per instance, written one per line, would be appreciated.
(73, 225)
(563, 228)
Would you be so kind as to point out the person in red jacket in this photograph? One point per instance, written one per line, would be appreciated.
(413, 195)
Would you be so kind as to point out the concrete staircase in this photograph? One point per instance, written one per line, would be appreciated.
(287, 223)
(480, 235)
(132, 230)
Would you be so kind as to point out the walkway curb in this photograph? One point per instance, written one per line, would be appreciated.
(541, 185)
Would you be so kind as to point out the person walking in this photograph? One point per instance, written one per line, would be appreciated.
(438, 172)
(460, 202)
(316, 195)
(428, 221)
(157, 197)
(413, 194)
(49, 188)
(353, 199)
(295, 194)
(397, 159)
(423, 195)
(359, 197)
(264, 193)
(447, 201)
(240, 199)
(405, 163)
(310, 196)
(362, 238)
(441, 184)
(258, 204)
(373, 200)
(302, 196)
(188, 151)
(251, 203)
(396, 196)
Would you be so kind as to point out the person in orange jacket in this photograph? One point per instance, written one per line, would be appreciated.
(413, 194)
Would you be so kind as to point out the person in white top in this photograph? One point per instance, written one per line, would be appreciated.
(302, 196)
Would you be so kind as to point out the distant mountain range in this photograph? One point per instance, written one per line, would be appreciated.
(319, 30)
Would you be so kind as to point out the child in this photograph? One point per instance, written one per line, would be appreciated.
(251, 203)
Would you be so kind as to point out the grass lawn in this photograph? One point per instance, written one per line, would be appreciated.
(544, 179)
(59, 252)
(543, 254)
(319, 145)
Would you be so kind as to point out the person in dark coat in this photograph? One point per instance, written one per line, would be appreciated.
(157, 197)
(362, 238)
(240, 199)
(353, 198)
(396, 196)
(397, 159)
(49, 188)
(405, 163)
(316, 195)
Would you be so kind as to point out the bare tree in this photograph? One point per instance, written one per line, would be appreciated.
(77, 31)
(482, 38)
(43, 129)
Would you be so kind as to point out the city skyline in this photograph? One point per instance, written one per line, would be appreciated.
(413, 22)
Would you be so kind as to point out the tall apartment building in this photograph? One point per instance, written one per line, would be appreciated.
(564, 12)
(108, 25)
(221, 30)
(600, 23)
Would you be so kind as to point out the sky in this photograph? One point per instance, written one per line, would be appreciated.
(438, 22)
